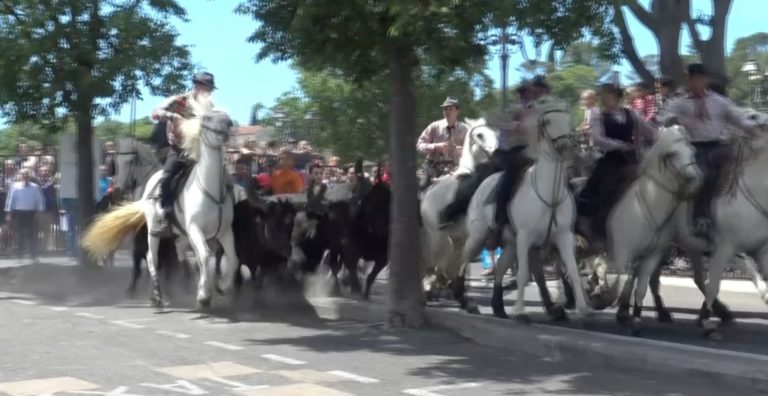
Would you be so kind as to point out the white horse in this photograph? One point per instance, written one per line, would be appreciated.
(135, 163)
(441, 258)
(741, 217)
(542, 211)
(668, 177)
(204, 208)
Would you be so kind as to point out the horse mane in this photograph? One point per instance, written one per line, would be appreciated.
(191, 126)
(667, 136)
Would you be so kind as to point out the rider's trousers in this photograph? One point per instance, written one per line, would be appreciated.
(172, 167)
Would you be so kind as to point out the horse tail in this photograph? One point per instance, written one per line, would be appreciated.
(108, 230)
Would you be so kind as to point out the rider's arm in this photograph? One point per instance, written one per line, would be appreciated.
(425, 145)
(643, 129)
(161, 112)
(598, 135)
(734, 117)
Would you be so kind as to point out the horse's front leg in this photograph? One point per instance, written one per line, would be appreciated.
(751, 267)
(723, 254)
(647, 267)
(205, 284)
(523, 248)
(231, 266)
(565, 246)
(153, 244)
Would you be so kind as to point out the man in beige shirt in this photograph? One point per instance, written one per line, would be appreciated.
(441, 141)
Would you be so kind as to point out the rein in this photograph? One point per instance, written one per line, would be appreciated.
(222, 196)
(558, 182)
(678, 196)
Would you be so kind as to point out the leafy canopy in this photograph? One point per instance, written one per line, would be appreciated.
(87, 57)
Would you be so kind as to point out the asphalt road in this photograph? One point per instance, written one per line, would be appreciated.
(67, 331)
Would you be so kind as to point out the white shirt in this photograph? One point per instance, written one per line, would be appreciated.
(722, 113)
(27, 197)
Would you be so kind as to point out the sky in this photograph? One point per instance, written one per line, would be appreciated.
(218, 40)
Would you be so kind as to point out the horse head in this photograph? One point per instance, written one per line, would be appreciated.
(672, 161)
(752, 118)
(548, 126)
(479, 143)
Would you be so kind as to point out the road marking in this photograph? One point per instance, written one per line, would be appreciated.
(25, 302)
(430, 391)
(283, 359)
(58, 309)
(223, 345)
(209, 370)
(353, 377)
(236, 386)
(89, 315)
(172, 334)
(45, 385)
(295, 390)
(308, 376)
(127, 324)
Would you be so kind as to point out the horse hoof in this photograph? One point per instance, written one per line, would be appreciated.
(523, 318)
(157, 302)
(712, 334)
(665, 317)
(623, 318)
(635, 327)
(570, 305)
(204, 303)
(473, 309)
(557, 313)
(500, 313)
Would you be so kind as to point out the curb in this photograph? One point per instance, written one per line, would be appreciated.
(736, 368)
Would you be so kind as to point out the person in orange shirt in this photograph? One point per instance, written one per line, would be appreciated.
(286, 180)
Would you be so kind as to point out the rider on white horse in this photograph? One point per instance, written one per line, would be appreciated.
(511, 141)
(618, 132)
(514, 143)
(441, 141)
(171, 110)
(706, 115)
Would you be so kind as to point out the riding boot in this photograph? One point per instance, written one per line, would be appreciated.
(458, 206)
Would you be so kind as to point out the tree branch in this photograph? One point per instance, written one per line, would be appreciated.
(645, 17)
(628, 45)
(691, 24)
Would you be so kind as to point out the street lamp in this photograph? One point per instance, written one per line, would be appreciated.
(756, 79)
(310, 121)
(283, 124)
(504, 39)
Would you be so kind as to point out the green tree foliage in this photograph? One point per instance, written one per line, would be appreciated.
(82, 59)
(370, 39)
(351, 119)
(568, 82)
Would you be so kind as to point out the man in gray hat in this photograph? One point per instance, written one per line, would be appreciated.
(171, 111)
(441, 141)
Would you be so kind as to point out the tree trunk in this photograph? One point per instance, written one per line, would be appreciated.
(712, 51)
(85, 175)
(406, 307)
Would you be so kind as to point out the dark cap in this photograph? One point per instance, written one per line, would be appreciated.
(697, 69)
(204, 78)
(539, 81)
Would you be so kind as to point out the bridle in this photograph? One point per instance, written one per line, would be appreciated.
(679, 196)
